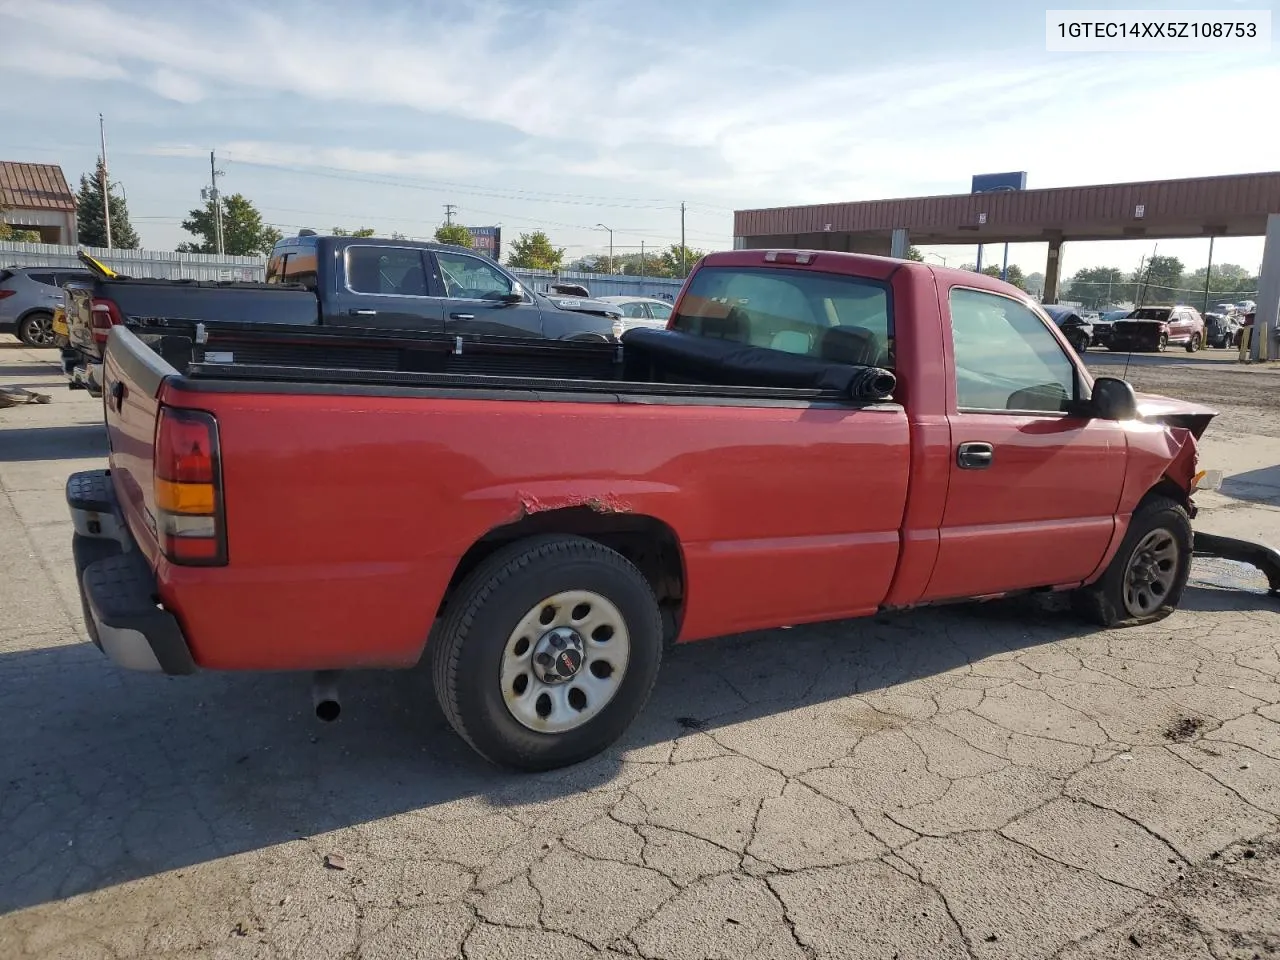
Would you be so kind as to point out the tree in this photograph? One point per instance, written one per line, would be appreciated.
(362, 232)
(1035, 284)
(243, 232)
(533, 251)
(913, 253)
(1160, 280)
(1013, 275)
(1097, 286)
(90, 222)
(677, 261)
(454, 233)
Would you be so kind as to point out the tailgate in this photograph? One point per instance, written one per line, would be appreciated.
(164, 460)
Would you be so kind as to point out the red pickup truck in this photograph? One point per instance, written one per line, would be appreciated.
(816, 436)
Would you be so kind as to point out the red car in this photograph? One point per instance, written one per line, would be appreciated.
(818, 435)
(1155, 328)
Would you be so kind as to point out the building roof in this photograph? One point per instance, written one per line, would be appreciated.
(34, 186)
(1203, 206)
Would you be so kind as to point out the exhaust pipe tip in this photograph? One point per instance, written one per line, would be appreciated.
(324, 695)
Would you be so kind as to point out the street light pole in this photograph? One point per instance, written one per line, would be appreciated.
(106, 181)
(603, 227)
(941, 258)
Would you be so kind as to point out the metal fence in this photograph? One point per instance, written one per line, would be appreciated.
(162, 264)
(168, 265)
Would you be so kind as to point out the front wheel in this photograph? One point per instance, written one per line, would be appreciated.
(1145, 579)
(36, 329)
(1194, 343)
(547, 652)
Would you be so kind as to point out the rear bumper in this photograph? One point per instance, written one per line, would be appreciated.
(117, 586)
(1257, 555)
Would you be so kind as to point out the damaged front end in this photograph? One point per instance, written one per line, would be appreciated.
(1195, 419)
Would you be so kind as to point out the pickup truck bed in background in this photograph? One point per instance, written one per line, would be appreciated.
(541, 538)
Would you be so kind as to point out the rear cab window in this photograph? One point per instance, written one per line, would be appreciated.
(386, 271)
(842, 319)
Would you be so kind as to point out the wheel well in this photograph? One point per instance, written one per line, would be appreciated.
(646, 541)
(1166, 488)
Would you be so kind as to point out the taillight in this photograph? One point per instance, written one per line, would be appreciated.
(188, 486)
(103, 315)
(7, 293)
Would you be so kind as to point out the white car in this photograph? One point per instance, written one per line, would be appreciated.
(639, 312)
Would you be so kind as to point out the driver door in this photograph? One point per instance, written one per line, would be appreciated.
(1033, 489)
(473, 287)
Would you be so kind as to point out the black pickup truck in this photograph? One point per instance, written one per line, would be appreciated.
(357, 283)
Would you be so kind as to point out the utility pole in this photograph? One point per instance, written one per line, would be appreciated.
(449, 210)
(642, 273)
(684, 266)
(106, 180)
(1207, 274)
(214, 199)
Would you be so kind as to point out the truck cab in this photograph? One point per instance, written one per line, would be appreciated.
(388, 284)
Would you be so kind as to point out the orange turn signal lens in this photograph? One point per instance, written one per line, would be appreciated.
(184, 497)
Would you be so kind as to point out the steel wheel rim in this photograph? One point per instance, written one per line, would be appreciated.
(1150, 573)
(40, 331)
(536, 693)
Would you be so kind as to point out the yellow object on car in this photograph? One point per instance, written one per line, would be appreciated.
(60, 321)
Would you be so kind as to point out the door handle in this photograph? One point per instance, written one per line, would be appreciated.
(975, 456)
(462, 316)
(363, 313)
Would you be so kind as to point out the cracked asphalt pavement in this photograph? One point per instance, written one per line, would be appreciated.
(995, 781)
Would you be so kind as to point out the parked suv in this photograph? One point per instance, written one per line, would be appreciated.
(27, 298)
(1154, 328)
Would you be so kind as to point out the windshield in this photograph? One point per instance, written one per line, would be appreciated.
(838, 318)
(1150, 313)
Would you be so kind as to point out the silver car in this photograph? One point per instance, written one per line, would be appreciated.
(639, 312)
(27, 298)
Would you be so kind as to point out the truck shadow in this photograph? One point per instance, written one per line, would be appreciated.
(109, 776)
(1257, 486)
(53, 443)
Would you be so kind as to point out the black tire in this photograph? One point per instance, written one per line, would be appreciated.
(1103, 602)
(36, 329)
(1193, 344)
(468, 647)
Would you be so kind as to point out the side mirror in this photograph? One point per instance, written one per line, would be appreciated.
(515, 296)
(1113, 399)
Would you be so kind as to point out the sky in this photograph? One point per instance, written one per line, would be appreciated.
(575, 115)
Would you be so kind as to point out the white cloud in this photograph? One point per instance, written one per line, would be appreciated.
(175, 86)
(607, 94)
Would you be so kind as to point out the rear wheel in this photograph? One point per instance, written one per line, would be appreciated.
(547, 652)
(1194, 343)
(36, 329)
(1145, 579)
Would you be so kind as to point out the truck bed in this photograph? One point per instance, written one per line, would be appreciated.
(650, 364)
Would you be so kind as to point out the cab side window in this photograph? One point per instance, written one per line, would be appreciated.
(1005, 356)
(470, 278)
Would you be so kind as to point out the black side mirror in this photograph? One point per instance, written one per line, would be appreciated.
(515, 296)
(1113, 399)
